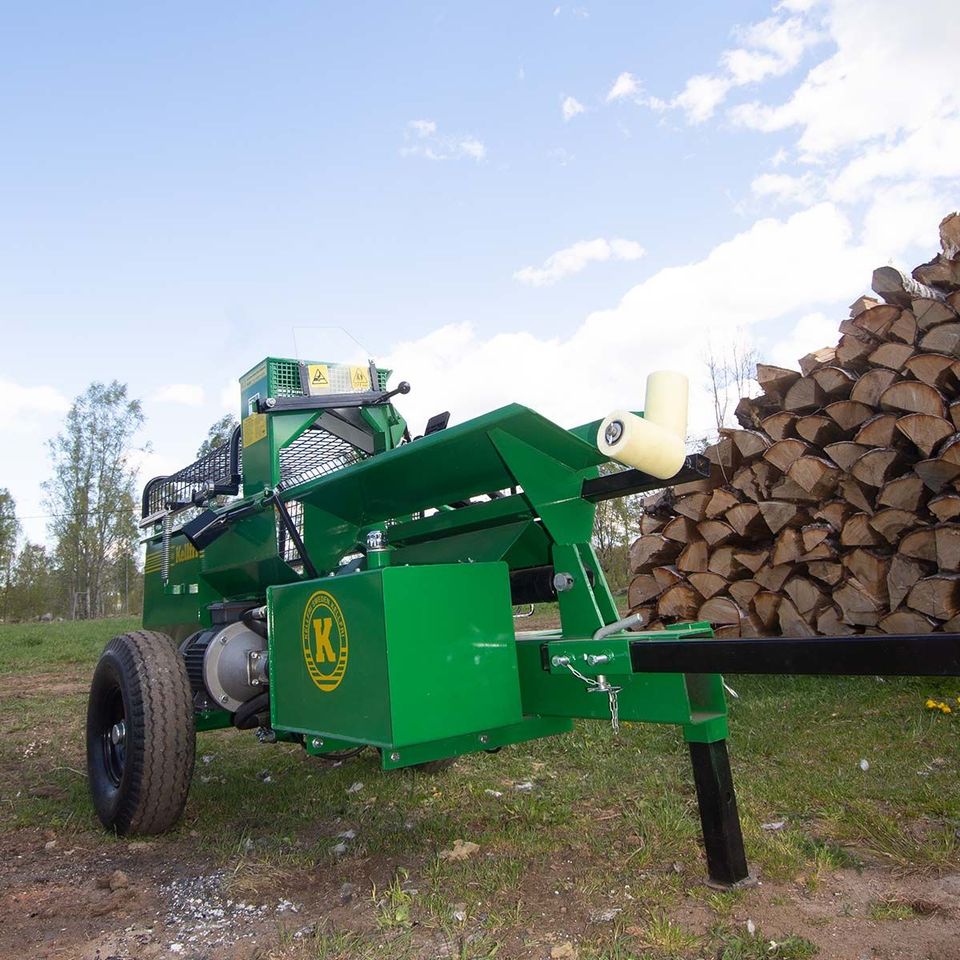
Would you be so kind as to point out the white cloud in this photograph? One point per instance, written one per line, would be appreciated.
(811, 332)
(769, 48)
(785, 188)
(575, 258)
(25, 404)
(423, 139)
(571, 107)
(187, 394)
(626, 86)
(230, 396)
(759, 277)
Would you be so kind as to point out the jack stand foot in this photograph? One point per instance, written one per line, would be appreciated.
(722, 838)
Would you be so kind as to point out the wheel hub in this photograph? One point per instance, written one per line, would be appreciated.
(118, 734)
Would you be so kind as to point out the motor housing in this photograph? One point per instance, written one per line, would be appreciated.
(226, 665)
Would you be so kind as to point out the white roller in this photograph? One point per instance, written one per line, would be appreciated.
(655, 442)
(666, 403)
(641, 444)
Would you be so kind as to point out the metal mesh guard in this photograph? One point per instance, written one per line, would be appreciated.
(314, 453)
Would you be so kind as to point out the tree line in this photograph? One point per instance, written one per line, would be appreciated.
(90, 566)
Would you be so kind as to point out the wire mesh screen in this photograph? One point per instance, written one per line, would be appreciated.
(216, 473)
(285, 379)
(285, 545)
(314, 454)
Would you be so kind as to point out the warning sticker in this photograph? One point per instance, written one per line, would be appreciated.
(318, 377)
(360, 378)
(254, 428)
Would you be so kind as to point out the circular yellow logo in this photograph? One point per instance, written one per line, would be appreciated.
(323, 637)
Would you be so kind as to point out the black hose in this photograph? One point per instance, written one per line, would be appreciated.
(246, 716)
(257, 626)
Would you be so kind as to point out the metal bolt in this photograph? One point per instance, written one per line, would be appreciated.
(223, 640)
(594, 658)
(562, 582)
(271, 402)
(560, 661)
(613, 431)
(118, 733)
(484, 738)
(394, 756)
(254, 655)
(224, 698)
(316, 743)
(376, 540)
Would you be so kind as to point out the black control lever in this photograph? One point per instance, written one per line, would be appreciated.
(403, 387)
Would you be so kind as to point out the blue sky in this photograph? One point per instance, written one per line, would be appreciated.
(186, 188)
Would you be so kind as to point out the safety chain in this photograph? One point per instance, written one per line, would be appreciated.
(600, 685)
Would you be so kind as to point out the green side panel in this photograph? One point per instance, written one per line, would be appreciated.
(179, 607)
(444, 467)
(430, 654)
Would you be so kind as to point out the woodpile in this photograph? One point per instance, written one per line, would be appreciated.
(834, 507)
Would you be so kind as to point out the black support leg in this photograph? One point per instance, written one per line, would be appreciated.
(726, 858)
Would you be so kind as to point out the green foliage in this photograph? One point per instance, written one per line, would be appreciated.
(9, 531)
(616, 523)
(91, 498)
(218, 434)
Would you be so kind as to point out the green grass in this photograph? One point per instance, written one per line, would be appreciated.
(612, 821)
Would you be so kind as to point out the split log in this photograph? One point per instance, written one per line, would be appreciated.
(906, 622)
(879, 431)
(720, 610)
(643, 587)
(807, 597)
(937, 596)
(937, 370)
(946, 507)
(955, 413)
(817, 429)
(835, 513)
(666, 576)
(681, 530)
(775, 380)
(788, 546)
(875, 467)
(817, 360)
(792, 623)
(849, 415)
(855, 494)
(870, 570)
(950, 236)
(925, 432)
(680, 601)
(920, 545)
(804, 395)
(693, 506)
(743, 592)
(936, 473)
(830, 623)
(724, 561)
(877, 320)
(750, 443)
(892, 523)
(787, 489)
(724, 455)
(861, 304)
(708, 584)
(813, 534)
(779, 426)
(694, 557)
(903, 574)
(857, 606)
(766, 605)
(650, 551)
(827, 571)
(650, 524)
(817, 476)
(857, 532)
(746, 520)
(869, 387)
(947, 539)
(904, 328)
(891, 355)
(777, 514)
(783, 453)
(908, 396)
(904, 493)
(720, 502)
(773, 577)
(835, 382)
(896, 288)
(950, 449)
(852, 352)
(942, 339)
(715, 532)
(932, 313)
(844, 453)
(753, 560)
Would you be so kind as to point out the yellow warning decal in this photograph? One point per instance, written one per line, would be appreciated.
(318, 377)
(254, 428)
(323, 637)
(360, 378)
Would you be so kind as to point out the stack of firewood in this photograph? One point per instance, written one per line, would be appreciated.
(835, 508)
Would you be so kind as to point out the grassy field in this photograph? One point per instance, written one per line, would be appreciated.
(600, 852)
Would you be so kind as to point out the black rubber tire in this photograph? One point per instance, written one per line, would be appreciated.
(139, 783)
